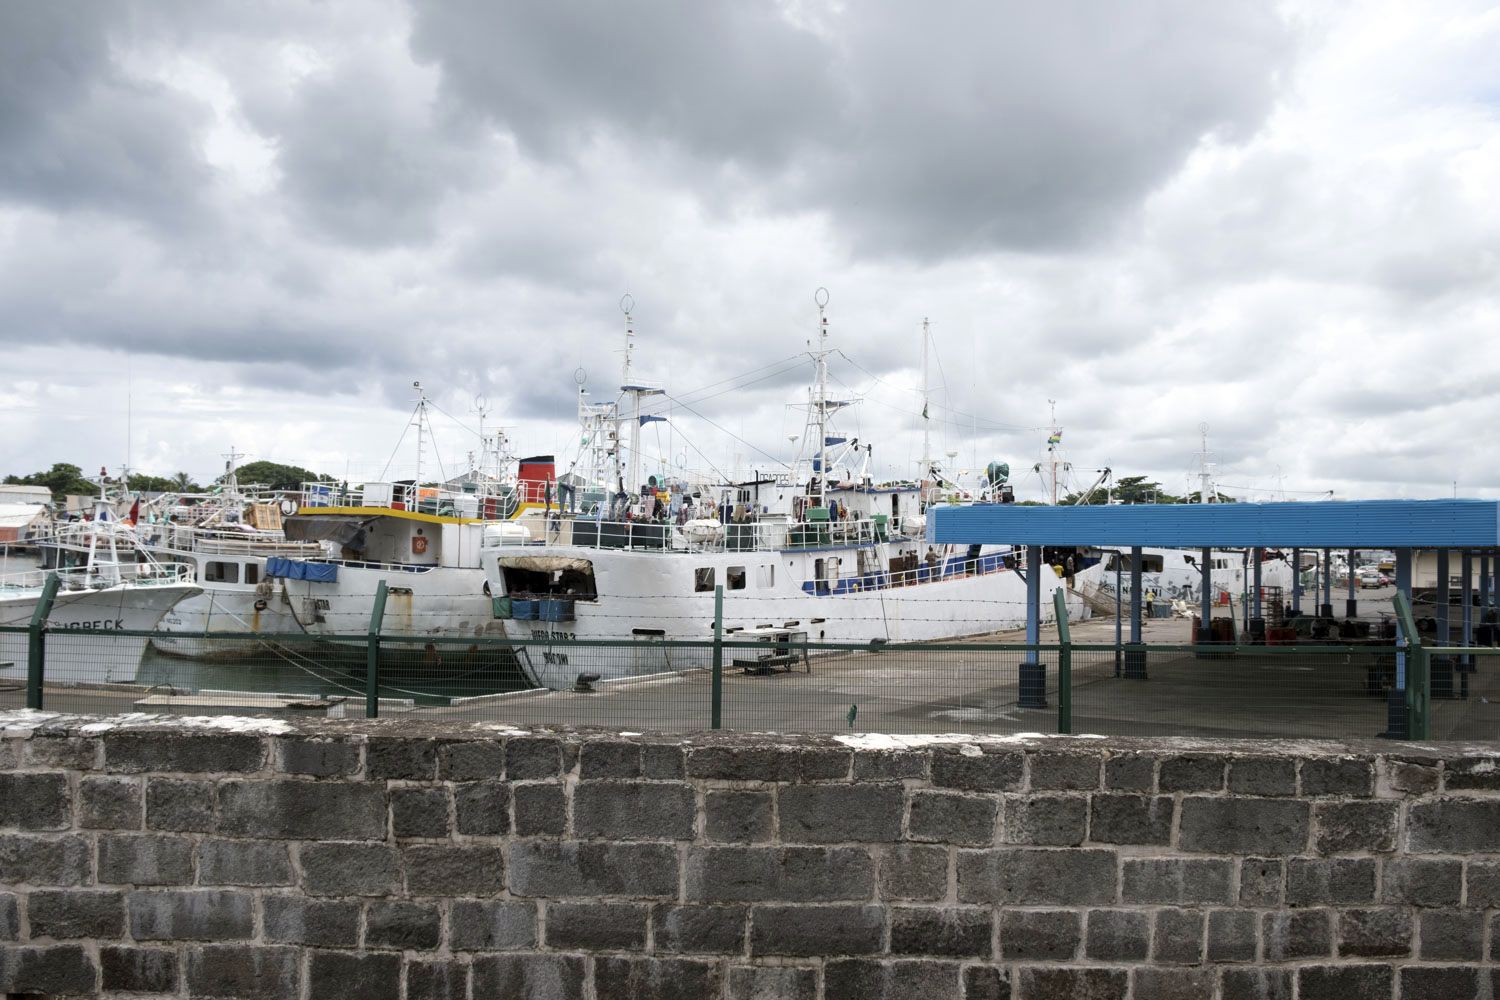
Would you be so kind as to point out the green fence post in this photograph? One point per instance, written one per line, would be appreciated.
(716, 691)
(372, 654)
(1064, 664)
(36, 655)
(1418, 678)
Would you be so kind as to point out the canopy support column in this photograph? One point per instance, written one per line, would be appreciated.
(1466, 661)
(1351, 609)
(1205, 596)
(1296, 581)
(1442, 666)
(1033, 679)
(1325, 610)
(1257, 612)
(1135, 655)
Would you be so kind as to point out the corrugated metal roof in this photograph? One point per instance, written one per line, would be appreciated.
(1353, 524)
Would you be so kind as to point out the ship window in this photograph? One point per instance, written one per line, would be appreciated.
(252, 573)
(221, 572)
(734, 578)
(767, 576)
(703, 579)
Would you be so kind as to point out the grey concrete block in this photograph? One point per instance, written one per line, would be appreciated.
(138, 859)
(1243, 826)
(1313, 882)
(1232, 936)
(1040, 935)
(400, 758)
(49, 861)
(952, 818)
(109, 803)
(303, 810)
(891, 765)
(441, 870)
(550, 868)
(367, 976)
(1191, 773)
(1263, 776)
(190, 915)
(1341, 827)
(183, 753)
(1337, 776)
(1421, 882)
(35, 801)
(1256, 984)
(1130, 772)
(660, 978)
(403, 925)
(1175, 984)
(859, 979)
(776, 874)
(1049, 983)
(535, 977)
(1117, 935)
(1458, 826)
(953, 931)
(581, 926)
(1053, 770)
(1177, 880)
(419, 812)
(10, 917)
(739, 817)
(1297, 934)
(811, 931)
(986, 982)
(180, 805)
(1261, 881)
(1036, 876)
(1046, 820)
(243, 862)
(1410, 777)
(319, 758)
(482, 808)
(75, 913)
(825, 814)
(821, 764)
(491, 925)
(1177, 937)
(1439, 983)
(599, 759)
(55, 750)
(1131, 819)
(912, 872)
(634, 810)
(1451, 936)
(541, 810)
(1375, 933)
(436, 980)
(138, 970)
(1002, 771)
(1342, 982)
(471, 760)
(1472, 774)
(54, 970)
(699, 928)
(349, 869)
(319, 922)
(663, 763)
(772, 982)
(532, 758)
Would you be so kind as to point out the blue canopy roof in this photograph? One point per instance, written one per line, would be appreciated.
(1352, 524)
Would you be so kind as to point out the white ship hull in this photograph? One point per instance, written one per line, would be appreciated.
(421, 601)
(83, 644)
(220, 609)
(644, 598)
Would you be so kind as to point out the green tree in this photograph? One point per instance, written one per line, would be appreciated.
(183, 483)
(1128, 489)
(140, 482)
(273, 475)
(63, 479)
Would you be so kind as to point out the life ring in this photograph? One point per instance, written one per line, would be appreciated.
(418, 544)
(288, 506)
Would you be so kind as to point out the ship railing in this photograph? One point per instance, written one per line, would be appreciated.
(486, 501)
(222, 540)
(103, 574)
(704, 535)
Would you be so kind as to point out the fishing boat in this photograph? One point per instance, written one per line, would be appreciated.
(817, 548)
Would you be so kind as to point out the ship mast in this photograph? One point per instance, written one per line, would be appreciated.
(820, 402)
(1053, 437)
(926, 402)
(421, 418)
(1204, 475)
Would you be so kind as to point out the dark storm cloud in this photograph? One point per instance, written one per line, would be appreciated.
(77, 133)
(929, 130)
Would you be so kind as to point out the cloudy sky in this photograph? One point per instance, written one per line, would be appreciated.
(256, 225)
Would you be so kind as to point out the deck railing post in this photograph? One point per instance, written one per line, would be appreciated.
(716, 689)
(372, 654)
(36, 639)
(1064, 664)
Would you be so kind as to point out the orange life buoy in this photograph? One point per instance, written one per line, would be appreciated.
(418, 544)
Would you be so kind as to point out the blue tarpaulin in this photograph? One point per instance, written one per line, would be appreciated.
(295, 569)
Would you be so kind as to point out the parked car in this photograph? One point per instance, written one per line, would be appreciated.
(1369, 578)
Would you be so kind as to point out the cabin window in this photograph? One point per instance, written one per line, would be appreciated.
(734, 578)
(221, 572)
(252, 573)
(767, 576)
(703, 579)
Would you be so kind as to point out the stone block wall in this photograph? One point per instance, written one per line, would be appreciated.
(383, 861)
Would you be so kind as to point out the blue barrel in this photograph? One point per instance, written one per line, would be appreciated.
(557, 610)
(524, 609)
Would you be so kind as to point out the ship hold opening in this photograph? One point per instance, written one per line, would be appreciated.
(549, 576)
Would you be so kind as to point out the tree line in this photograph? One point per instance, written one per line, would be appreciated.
(67, 479)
